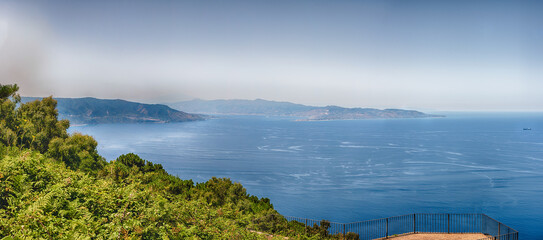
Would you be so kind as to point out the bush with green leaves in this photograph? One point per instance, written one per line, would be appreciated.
(42, 198)
(133, 160)
(78, 151)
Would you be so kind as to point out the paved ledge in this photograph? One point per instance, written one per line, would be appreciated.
(438, 236)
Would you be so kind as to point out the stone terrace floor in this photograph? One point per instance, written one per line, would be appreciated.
(440, 236)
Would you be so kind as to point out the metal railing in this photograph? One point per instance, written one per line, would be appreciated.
(413, 223)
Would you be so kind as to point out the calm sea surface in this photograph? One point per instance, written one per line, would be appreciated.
(357, 170)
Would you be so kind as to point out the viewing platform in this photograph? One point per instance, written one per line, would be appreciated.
(441, 236)
(418, 226)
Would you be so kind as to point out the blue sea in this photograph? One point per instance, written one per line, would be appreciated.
(357, 170)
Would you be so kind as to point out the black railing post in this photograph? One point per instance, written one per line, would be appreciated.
(305, 226)
(387, 227)
(482, 222)
(448, 223)
(414, 223)
(499, 229)
(344, 237)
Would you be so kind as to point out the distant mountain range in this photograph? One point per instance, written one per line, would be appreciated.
(93, 110)
(241, 107)
(310, 113)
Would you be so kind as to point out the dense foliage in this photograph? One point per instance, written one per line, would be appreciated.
(54, 185)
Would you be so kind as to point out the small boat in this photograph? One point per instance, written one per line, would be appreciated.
(525, 129)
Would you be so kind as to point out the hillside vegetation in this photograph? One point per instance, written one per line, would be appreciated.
(54, 185)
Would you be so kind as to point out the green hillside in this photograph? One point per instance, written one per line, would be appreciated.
(93, 110)
(54, 185)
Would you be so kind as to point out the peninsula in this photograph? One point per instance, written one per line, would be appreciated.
(92, 111)
(303, 112)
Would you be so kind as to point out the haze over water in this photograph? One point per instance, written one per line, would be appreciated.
(419, 54)
(347, 171)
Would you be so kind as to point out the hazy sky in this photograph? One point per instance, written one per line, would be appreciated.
(427, 55)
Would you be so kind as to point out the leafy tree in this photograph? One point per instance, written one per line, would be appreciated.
(8, 125)
(133, 160)
(352, 236)
(38, 124)
(320, 229)
(78, 151)
(219, 191)
(35, 125)
(272, 222)
(9, 91)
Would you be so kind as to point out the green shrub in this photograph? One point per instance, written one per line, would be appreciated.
(352, 236)
(78, 151)
(272, 222)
